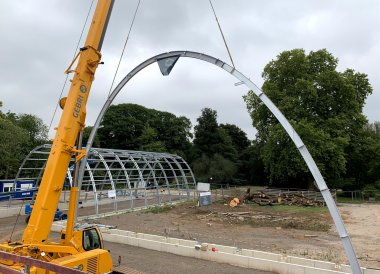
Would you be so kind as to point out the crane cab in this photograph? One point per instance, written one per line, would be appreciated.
(85, 238)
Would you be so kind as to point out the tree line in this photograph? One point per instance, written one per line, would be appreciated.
(325, 107)
(19, 134)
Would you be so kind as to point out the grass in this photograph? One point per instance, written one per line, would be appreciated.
(293, 209)
(159, 209)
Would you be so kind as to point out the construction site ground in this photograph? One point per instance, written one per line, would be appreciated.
(297, 231)
(138, 260)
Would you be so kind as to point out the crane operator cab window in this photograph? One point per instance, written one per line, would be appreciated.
(91, 239)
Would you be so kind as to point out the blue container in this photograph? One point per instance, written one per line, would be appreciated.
(6, 188)
(24, 189)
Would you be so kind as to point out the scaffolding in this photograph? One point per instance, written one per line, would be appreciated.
(119, 179)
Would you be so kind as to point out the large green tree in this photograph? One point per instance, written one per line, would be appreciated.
(34, 126)
(19, 133)
(149, 142)
(210, 139)
(323, 105)
(241, 144)
(215, 154)
(251, 167)
(86, 134)
(131, 126)
(363, 158)
(14, 140)
(238, 137)
(214, 169)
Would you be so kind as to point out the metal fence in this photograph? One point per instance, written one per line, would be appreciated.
(226, 191)
(357, 196)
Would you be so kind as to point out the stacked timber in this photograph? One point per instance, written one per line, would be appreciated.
(292, 198)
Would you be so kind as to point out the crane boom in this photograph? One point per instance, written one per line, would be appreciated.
(80, 249)
(71, 122)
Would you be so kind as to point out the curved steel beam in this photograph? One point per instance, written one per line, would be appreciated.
(157, 162)
(108, 171)
(174, 174)
(275, 111)
(94, 190)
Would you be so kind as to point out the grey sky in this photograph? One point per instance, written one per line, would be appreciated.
(39, 38)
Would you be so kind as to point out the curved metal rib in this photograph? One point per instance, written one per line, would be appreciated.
(276, 112)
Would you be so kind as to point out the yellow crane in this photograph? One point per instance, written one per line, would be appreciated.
(81, 248)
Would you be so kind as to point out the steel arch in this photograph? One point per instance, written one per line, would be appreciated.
(275, 111)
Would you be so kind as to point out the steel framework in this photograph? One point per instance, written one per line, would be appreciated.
(122, 178)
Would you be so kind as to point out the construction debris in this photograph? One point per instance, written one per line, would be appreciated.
(290, 198)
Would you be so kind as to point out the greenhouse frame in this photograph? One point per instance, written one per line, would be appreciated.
(116, 180)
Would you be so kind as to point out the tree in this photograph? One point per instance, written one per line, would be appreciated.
(149, 142)
(173, 132)
(37, 130)
(251, 166)
(12, 147)
(134, 127)
(323, 105)
(34, 126)
(373, 127)
(215, 153)
(241, 143)
(363, 159)
(122, 125)
(86, 134)
(206, 134)
(238, 137)
(220, 169)
(19, 134)
(210, 139)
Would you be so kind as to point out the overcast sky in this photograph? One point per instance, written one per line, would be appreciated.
(38, 39)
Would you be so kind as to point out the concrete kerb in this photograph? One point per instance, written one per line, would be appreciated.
(224, 254)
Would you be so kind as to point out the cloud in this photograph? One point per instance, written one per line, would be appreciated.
(39, 39)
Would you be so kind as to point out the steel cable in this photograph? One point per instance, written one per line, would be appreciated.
(67, 75)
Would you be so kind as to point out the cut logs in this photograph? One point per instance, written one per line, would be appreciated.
(286, 198)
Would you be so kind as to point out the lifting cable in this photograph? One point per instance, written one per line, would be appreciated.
(67, 75)
(221, 32)
(125, 45)
(18, 215)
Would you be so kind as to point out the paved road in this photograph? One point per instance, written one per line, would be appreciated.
(154, 262)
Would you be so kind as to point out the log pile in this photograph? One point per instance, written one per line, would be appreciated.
(293, 198)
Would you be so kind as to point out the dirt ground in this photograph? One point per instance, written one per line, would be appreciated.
(288, 230)
(294, 231)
